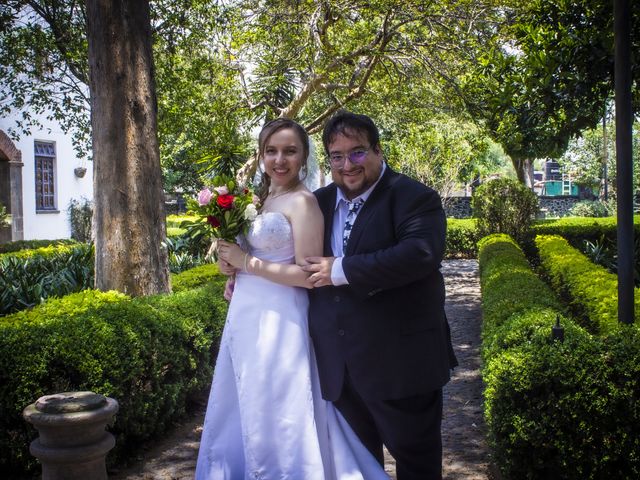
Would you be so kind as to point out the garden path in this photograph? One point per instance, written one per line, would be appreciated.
(465, 452)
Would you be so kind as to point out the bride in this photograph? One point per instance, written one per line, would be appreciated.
(266, 418)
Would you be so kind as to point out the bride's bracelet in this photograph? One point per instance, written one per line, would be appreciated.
(246, 267)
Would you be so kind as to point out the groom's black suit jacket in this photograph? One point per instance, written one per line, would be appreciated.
(388, 326)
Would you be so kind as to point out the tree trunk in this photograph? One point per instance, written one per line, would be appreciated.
(129, 212)
(524, 170)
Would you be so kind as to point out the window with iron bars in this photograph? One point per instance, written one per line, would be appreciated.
(45, 156)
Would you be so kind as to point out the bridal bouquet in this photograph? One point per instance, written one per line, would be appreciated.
(226, 208)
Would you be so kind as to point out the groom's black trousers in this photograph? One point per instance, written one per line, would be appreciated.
(408, 427)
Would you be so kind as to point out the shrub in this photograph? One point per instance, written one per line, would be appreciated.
(590, 289)
(184, 253)
(554, 410)
(589, 208)
(576, 229)
(510, 290)
(80, 214)
(462, 237)
(152, 354)
(195, 277)
(29, 277)
(18, 245)
(566, 410)
(506, 206)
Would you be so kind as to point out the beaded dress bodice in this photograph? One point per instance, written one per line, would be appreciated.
(270, 238)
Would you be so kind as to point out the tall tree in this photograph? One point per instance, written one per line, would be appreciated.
(310, 59)
(547, 77)
(129, 216)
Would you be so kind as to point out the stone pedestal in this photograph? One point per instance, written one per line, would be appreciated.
(73, 442)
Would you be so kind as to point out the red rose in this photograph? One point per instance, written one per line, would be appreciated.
(213, 221)
(225, 201)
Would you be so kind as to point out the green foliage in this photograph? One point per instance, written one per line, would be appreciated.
(605, 252)
(44, 70)
(576, 230)
(462, 237)
(591, 290)
(29, 277)
(80, 214)
(548, 75)
(444, 152)
(566, 410)
(506, 206)
(184, 253)
(588, 208)
(565, 402)
(306, 59)
(174, 221)
(32, 244)
(152, 354)
(196, 277)
(509, 287)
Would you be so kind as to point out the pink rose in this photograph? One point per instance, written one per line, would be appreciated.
(255, 200)
(204, 197)
(223, 190)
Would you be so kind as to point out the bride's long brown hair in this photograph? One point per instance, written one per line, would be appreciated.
(269, 129)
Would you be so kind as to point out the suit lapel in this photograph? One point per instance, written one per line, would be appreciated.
(367, 213)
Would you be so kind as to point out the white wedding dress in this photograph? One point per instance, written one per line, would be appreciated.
(266, 418)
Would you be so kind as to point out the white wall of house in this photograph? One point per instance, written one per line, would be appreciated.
(52, 223)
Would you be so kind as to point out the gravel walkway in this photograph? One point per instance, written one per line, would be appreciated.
(465, 453)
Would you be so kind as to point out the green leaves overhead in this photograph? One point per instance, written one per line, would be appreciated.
(547, 76)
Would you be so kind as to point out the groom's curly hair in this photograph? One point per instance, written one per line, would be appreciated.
(350, 124)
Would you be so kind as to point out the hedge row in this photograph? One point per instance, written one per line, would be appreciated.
(44, 251)
(557, 410)
(590, 289)
(152, 354)
(32, 244)
(462, 238)
(462, 235)
(578, 229)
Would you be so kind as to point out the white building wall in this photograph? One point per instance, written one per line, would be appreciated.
(51, 224)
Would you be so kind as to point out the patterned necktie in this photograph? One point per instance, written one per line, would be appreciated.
(354, 207)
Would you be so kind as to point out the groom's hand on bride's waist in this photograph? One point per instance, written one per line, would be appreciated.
(320, 271)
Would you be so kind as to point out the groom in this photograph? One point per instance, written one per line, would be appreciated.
(378, 324)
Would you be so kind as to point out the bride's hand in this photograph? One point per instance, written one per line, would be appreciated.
(231, 253)
(226, 268)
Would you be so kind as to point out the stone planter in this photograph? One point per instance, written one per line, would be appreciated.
(73, 442)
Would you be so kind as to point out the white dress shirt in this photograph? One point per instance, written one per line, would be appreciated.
(337, 230)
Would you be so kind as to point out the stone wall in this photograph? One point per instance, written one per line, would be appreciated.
(551, 207)
(460, 207)
(457, 207)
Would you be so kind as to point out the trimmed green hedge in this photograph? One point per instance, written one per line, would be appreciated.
(32, 244)
(152, 354)
(45, 251)
(590, 289)
(462, 234)
(462, 238)
(558, 410)
(194, 277)
(577, 229)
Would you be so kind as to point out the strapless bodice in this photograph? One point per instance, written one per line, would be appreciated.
(270, 238)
